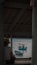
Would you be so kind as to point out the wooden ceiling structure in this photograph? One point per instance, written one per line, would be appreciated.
(17, 18)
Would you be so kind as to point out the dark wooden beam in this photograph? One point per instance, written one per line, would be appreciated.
(16, 4)
(23, 24)
(19, 34)
(11, 21)
(2, 1)
(22, 1)
(17, 19)
(2, 62)
(23, 21)
(34, 34)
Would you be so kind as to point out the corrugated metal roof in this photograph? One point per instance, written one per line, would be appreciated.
(17, 21)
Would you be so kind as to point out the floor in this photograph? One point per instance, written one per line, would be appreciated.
(18, 64)
(22, 63)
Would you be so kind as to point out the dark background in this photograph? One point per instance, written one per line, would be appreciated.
(34, 34)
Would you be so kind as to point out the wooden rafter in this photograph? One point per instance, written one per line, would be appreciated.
(30, 2)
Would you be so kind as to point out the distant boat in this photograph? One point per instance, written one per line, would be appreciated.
(18, 53)
(23, 48)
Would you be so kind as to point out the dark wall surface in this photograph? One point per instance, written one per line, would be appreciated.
(34, 35)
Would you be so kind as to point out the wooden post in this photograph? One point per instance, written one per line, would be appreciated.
(34, 33)
(1, 34)
(30, 2)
